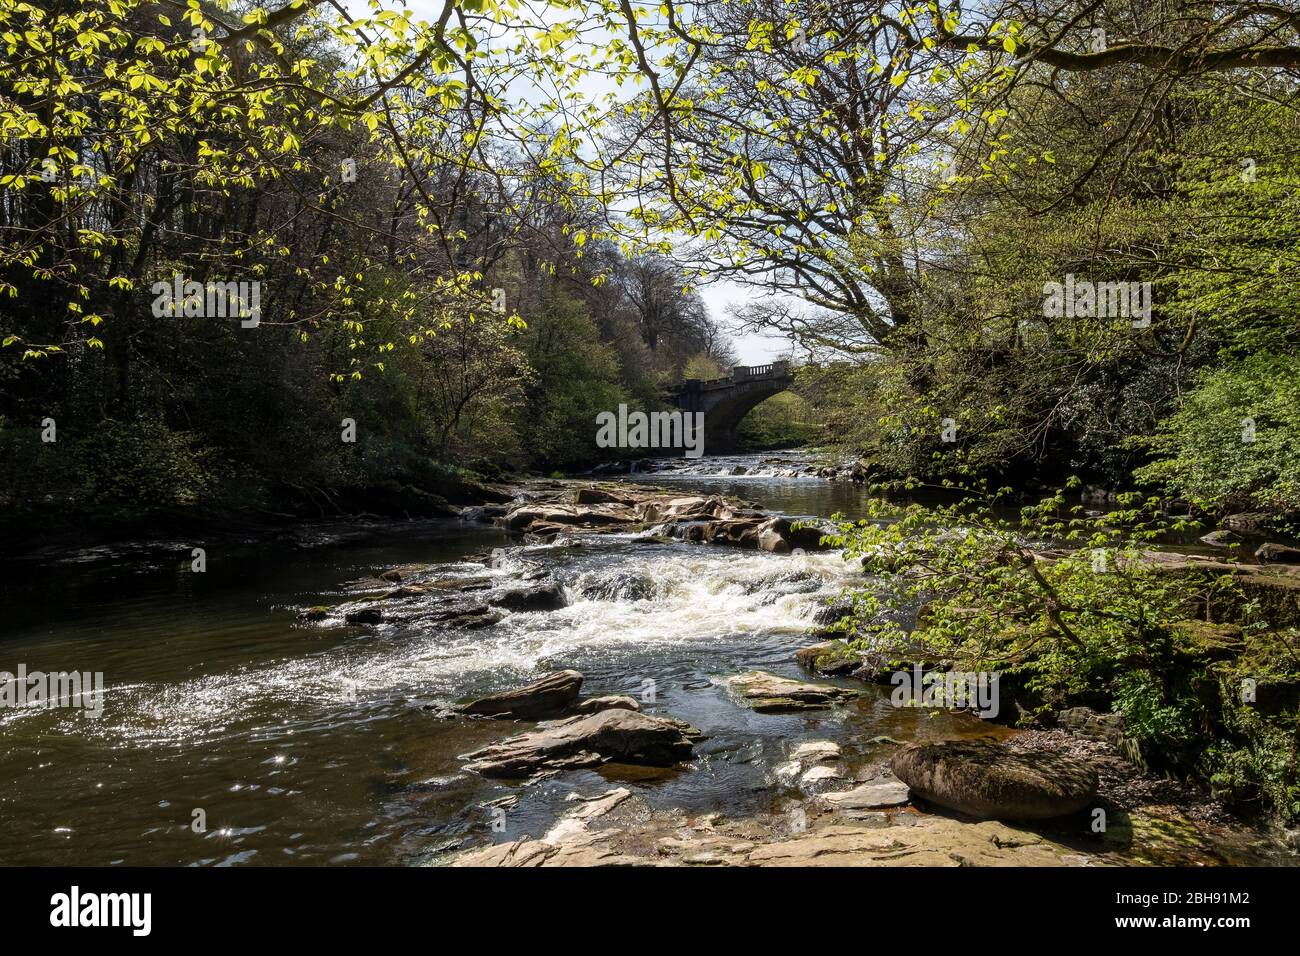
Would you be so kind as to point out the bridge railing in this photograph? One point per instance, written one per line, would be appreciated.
(742, 372)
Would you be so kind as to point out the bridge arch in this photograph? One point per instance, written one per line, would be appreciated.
(726, 401)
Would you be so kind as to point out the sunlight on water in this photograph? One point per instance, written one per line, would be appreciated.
(634, 602)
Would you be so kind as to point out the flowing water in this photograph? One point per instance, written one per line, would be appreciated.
(313, 745)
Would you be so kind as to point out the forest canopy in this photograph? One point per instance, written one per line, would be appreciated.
(227, 228)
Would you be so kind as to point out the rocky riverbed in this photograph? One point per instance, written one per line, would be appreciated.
(483, 688)
(1051, 797)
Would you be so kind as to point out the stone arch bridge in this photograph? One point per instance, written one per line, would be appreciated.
(725, 401)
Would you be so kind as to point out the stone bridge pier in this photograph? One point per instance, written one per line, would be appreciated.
(725, 401)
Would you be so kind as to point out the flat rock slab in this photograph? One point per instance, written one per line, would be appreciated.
(993, 782)
(625, 736)
(925, 841)
(551, 695)
(820, 774)
(876, 795)
(769, 694)
(816, 751)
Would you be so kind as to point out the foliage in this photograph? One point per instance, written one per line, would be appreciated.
(997, 595)
(782, 421)
(1234, 442)
(577, 378)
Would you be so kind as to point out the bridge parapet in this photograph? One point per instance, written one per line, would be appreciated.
(739, 373)
(778, 369)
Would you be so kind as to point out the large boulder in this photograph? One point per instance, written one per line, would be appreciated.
(553, 694)
(623, 736)
(769, 694)
(993, 782)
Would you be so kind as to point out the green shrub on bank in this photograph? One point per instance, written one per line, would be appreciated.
(122, 472)
(1234, 443)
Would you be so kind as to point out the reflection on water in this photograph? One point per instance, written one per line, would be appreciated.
(305, 744)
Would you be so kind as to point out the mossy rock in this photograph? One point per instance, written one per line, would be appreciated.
(1205, 641)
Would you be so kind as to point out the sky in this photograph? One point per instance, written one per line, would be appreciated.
(719, 296)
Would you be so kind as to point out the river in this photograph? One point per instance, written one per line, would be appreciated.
(313, 745)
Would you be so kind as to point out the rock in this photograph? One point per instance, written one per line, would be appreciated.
(805, 759)
(897, 839)
(685, 509)
(546, 595)
(551, 695)
(599, 496)
(1220, 539)
(828, 657)
(1279, 553)
(1247, 521)
(312, 614)
(834, 612)
(788, 772)
(535, 517)
(483, 514)
(1091, 725)
(624, 736)
(369, 615)
(594, 705)
(876, 795)
(990, 781)
(767, 693)
(592, 807)
(771, 537)
(392, 575)
(816, 751)
(737, 532)
(569, 843)
(820, 774)
(620, 584)
(779, 535)
(470, 616)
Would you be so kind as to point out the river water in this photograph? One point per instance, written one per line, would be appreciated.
(313, 745)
